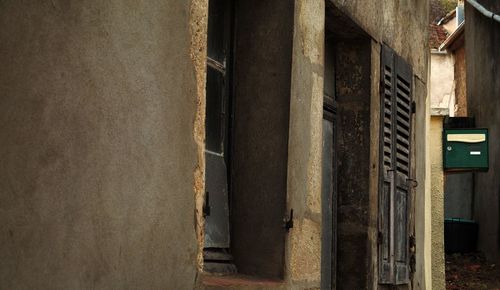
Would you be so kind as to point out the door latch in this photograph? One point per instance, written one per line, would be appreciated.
(412, 181)
(288, 221)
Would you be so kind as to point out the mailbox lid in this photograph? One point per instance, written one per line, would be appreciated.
(465, 149)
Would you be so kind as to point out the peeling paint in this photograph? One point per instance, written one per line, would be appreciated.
(198, 50)
(314, 163)
(303, 254)
(306, 245)
(311, 29)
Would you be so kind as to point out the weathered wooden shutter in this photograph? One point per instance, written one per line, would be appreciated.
(386, 175)
(396, 137)
(403, 140)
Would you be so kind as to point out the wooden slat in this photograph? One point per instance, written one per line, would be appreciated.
(403, 84)
(402, 140)
(402, 130)
(403, 121)
(402, 103)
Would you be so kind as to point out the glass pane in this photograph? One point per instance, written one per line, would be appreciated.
(214, 111)
(216, 19)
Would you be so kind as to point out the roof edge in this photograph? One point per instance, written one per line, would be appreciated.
(453, 37)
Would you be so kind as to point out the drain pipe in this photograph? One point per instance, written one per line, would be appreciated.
(484, 11)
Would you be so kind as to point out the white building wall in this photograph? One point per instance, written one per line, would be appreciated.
(442, 90)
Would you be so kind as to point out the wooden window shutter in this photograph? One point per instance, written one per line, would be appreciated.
(386, 174)
(403, 140)
(395, 157)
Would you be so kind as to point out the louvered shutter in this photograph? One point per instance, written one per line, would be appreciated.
(403, 139)
(386, 175)
(396, 169)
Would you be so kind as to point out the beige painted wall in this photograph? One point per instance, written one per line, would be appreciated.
(443, 103)
(437, 191)
(423, 214)
(442, 83)
(98, 107)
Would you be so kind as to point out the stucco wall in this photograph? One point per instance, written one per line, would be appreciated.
(482, 38)
(422, 278)
(437, 202)
(98, 105)
(442, 81)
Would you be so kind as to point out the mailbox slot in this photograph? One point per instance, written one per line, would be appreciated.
(465, 149)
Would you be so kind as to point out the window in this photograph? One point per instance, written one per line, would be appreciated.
(247, 114)
(396, 171)
(216, 210)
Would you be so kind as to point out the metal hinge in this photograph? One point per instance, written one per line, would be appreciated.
(413, 181)
(413, 107)
(288, 221)
(412, 243)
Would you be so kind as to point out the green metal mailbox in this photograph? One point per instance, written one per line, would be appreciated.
(465, 149)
